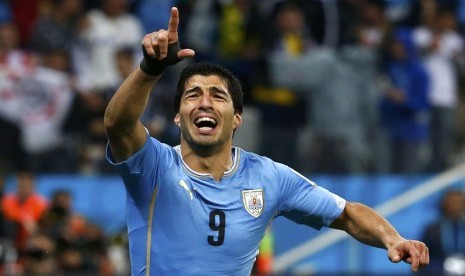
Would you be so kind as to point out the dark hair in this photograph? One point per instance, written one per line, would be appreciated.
(208, 69)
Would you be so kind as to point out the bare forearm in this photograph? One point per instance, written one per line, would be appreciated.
(128, 103)
(367, 226)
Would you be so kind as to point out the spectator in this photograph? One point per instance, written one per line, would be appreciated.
(374, 25)
(283, 108)
(106, 30)
(79, 245)
(118, 253)
(348, 18)
(13, 63)
(404, 105)
(441, 45)
(291, 36)
(57, 29)
(103, 33)
(445, 237)
(318, 18)
(200, 24)
(341, 111)
(82, 247)
(39, 256)
(25, 14)
(56, 217)
(45, 98)
(36, 94)
(24, 207)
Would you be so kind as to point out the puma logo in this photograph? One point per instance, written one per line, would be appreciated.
(183, 184)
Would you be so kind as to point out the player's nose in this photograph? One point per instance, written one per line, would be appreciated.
(206, 100)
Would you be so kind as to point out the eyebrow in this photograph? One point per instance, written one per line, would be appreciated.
(219, 91)
(215, 89)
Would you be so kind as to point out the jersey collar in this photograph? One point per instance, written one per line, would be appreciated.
(235, 156)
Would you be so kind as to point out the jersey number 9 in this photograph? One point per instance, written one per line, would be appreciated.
(217, 223)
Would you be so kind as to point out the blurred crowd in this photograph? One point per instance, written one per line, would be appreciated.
(445, 236)
(342, 87)
(333, 86)
(46, 236)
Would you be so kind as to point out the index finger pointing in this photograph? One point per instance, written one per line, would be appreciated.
(415, 258)
(173, 25)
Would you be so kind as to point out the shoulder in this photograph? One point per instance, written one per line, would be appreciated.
(155, 148)
(254, 159)
(95, 15)
(150, 153)
(9, 198)
(39, 200)
(263, 164)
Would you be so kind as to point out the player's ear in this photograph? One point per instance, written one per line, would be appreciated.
(237, 120)
(176, 119)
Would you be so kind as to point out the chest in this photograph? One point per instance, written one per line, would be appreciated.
(233, 212)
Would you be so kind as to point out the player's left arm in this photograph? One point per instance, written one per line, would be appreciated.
(368, 227)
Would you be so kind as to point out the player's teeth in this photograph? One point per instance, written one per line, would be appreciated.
(205, 119)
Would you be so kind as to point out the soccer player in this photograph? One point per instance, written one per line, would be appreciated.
(202, 207)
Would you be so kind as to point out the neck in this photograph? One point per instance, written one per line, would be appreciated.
(212, 161)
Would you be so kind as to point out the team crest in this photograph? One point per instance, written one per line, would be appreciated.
(253, 201)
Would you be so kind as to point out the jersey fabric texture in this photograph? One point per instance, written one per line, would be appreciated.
(181, 222)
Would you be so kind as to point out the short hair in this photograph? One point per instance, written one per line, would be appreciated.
(207, 69)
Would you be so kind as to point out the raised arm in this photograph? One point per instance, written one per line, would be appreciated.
(125, 132)
(367, 226)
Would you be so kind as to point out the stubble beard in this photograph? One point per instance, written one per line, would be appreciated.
(202, 147)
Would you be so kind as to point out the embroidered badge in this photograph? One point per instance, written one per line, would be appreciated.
(253, 201)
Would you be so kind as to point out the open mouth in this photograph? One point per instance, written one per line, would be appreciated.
(205, 123)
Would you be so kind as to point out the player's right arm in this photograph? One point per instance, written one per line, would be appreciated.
(123, 127)
(125, 132)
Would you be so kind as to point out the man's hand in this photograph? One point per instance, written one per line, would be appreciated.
(412, 252)
(161, 48)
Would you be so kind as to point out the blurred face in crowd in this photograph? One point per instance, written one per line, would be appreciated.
(124, 63)
(291, 20)
(71, 7)
(373, 14)
(243, 5)
(57, 59)
(428, 13)
(114, 8)
(446, 21)
(397, 50)
(25, 185)
(62, 200)
(453, 205)
(9, 38)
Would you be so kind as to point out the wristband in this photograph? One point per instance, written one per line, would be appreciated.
(155, 67)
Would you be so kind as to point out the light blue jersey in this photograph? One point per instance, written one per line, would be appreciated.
(181, 222)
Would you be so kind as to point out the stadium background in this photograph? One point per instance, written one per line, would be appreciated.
(276, 113)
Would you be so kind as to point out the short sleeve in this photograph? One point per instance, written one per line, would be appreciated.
(304, 202)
